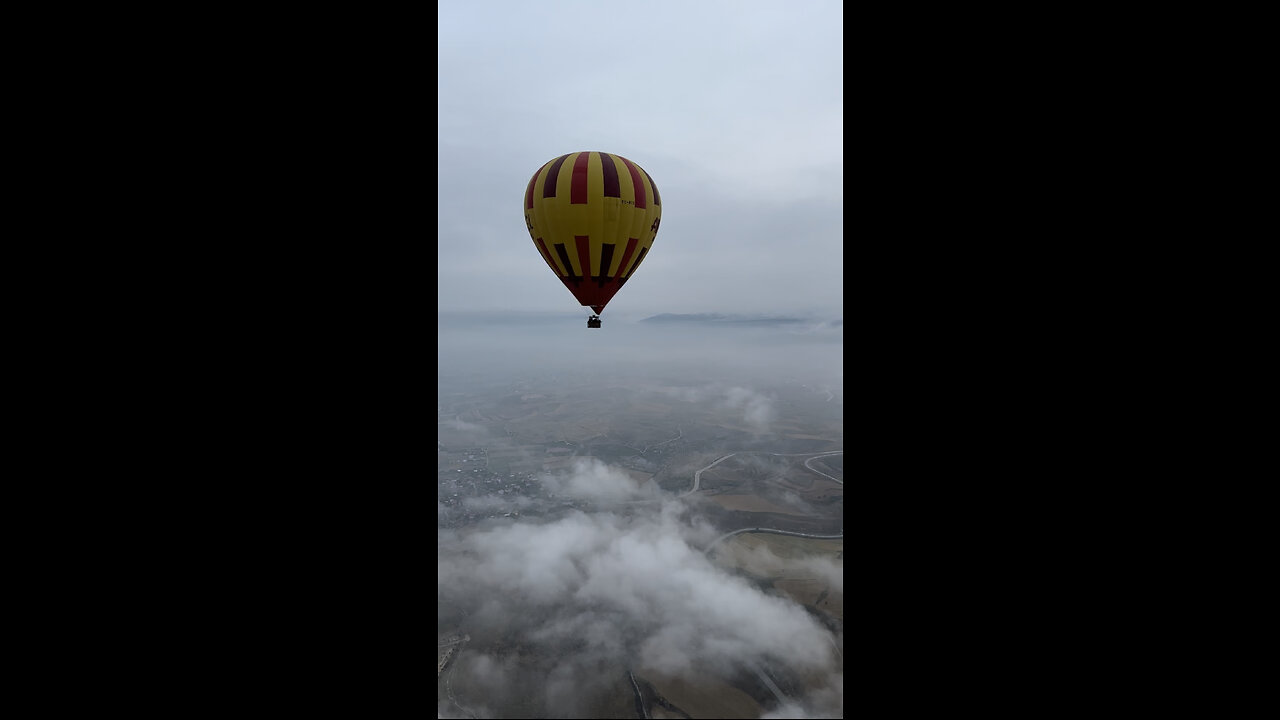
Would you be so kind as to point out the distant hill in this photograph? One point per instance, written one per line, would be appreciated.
(719, 319)
(543, 320)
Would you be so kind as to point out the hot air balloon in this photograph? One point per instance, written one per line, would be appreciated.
(593, 217)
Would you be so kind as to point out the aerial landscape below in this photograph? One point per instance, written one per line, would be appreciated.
(642, 521)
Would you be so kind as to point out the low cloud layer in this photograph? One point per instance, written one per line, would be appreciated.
(464, 426)
(598, 591)
(756, 408)
(562, 595)
(765, 561)
(593, 481)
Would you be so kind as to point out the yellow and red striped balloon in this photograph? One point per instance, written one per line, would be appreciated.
(593, 217)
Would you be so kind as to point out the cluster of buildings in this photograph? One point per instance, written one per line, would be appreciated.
(444, 660)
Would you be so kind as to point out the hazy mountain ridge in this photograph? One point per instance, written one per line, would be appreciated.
(738, 320)
(473, 319)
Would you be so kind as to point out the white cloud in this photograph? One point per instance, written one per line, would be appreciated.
(757, 410)
(627, 590)
(464, 426)
(594, 481)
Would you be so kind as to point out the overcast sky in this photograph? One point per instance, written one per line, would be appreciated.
(735, 109)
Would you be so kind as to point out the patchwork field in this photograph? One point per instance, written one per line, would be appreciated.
(699, 697)
(809, 571)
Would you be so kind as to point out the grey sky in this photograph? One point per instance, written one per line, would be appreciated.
(735, 109)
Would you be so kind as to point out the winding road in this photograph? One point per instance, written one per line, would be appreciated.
(771, 532)
(697, 476)
(644, 712)
(810, 467)
(697, 480)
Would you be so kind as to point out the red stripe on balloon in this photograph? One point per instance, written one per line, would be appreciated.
(631, 247)
(638, 261)
(549, 189)
(657, 199)
(546, 255)
(528, 193)
(635, 181)
(578, 190)
(611, 186)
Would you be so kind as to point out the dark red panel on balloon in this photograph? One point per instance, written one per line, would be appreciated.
(542, 248)
(611, 186)
(578, 190)
(568, 266)
(606, 259)
(638, 261)
(631, 247)
(657, 199)
(635, 180)
(549, 189)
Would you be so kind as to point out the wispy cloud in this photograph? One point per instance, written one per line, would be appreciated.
(611, 590)
(757, 410)
(591, 480)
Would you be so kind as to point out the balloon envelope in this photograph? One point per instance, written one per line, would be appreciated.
(593, 217)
